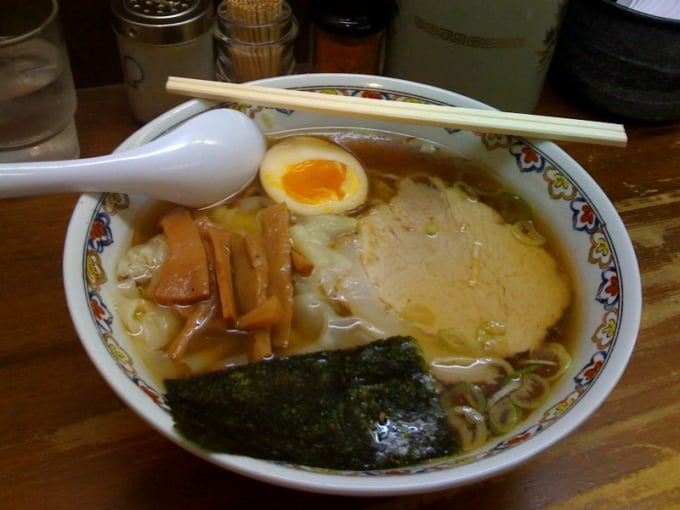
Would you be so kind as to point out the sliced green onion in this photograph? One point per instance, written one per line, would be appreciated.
(553, 359)
(504, 416)
(469, 426)
(511, 207)
(464, 393)
(522, 371)
(525, 232)
(505, 390)
(532, 392)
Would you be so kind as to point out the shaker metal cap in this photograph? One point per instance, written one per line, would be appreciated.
(162, 21)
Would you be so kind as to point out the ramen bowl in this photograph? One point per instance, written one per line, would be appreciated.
(600, 258)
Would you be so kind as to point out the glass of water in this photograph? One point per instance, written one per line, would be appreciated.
(37, 95)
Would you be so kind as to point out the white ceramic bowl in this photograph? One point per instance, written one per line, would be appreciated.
(601, 255)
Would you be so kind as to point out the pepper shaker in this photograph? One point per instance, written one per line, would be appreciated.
(159, 38)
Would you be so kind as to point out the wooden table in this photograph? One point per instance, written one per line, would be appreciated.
(67, 441)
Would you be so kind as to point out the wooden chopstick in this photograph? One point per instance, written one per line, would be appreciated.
(487, 121)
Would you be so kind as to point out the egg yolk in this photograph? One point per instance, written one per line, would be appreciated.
(315, 181)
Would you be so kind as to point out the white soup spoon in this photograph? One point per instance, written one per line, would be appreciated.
(203, 161)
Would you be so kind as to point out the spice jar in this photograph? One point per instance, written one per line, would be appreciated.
(159, 38)
(349, 35)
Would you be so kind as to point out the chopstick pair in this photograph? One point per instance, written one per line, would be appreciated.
(488, 121)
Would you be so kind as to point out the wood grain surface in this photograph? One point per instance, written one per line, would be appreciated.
(67, 441)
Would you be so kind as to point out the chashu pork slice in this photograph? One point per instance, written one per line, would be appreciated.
(446, 263)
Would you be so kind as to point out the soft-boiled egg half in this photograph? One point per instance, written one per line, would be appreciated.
(313, 176)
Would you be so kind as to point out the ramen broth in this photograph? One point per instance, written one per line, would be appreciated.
(387, 158)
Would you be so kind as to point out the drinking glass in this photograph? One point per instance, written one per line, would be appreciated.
(37, 95)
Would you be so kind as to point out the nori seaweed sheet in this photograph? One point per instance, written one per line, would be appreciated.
(365, 408)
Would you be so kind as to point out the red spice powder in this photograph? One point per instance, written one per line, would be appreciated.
(344, 54)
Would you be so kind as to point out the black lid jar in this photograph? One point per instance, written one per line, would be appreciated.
(349, 36)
